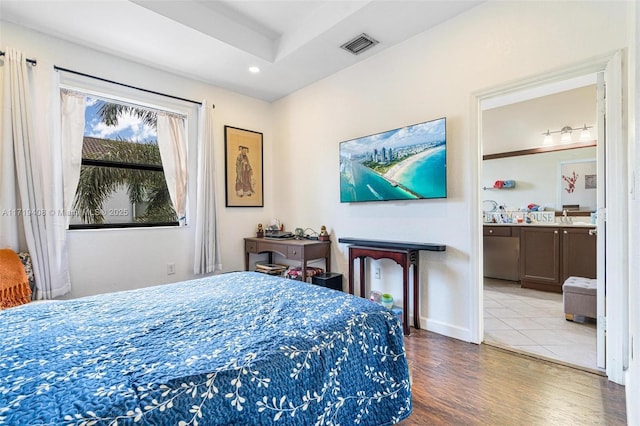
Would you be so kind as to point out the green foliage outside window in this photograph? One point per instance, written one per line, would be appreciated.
(122, 165)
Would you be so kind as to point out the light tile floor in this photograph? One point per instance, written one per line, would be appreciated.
(533, 322)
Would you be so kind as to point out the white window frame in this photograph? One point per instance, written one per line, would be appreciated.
(121, 93)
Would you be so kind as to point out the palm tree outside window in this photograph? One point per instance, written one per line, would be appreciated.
(122, 183)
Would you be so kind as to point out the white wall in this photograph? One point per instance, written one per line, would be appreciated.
(520, 125)
(537, 178)
(110, 260)
(432, 75)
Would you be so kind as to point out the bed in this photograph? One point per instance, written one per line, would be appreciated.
(233, 349)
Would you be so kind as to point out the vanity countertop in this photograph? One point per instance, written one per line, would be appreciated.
(576, 224)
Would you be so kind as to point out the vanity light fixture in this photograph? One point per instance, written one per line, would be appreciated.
(585, 134)
(565, 134)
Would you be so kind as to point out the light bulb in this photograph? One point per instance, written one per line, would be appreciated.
(585, 134)
(548, 139)
(565, 134)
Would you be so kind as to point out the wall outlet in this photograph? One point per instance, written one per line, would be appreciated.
(377, 273)
(171, 268)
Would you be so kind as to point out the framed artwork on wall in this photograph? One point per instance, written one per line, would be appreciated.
(577, 184)
(243, 168)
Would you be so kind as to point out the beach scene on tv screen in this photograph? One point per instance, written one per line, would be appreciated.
(401, 164)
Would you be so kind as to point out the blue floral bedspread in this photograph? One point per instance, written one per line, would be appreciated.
(233, 349)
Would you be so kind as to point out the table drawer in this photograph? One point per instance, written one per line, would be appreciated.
(294, 253)
(251, 247)
(496, 231)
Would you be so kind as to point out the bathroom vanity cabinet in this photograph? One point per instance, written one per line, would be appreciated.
(540, 257)
(549, 255)
(501, 246)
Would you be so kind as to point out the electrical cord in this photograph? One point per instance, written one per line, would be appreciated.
(312, 236)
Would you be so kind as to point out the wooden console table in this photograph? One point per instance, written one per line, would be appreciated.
(404, 254)
(300, 250)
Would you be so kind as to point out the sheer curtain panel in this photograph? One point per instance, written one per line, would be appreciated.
(72, 107)
(207, 250)
(28, 185)
(172, 143)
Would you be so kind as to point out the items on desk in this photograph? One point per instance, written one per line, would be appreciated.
(275, 224)
(277, 231)
(260, 231)
(278, 235)
(324, 235)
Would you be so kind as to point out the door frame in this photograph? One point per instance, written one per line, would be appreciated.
(616, 187)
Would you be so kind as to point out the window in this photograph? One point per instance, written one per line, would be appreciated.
(122, 182)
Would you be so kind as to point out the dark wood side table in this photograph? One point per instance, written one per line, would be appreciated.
(405, 254)
(300, 250)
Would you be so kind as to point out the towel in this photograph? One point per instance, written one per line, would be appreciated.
(14, 284)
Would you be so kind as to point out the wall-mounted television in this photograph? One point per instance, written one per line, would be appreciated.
(409, 163)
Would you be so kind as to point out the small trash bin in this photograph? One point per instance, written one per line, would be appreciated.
(329, 279)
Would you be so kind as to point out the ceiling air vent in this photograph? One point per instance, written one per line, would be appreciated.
(359, 44)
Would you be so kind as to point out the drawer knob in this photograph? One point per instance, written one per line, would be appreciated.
(566, 232)
(555, 232)
(295, 252)
(491, 231)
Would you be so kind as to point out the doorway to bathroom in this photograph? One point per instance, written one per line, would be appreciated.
(612, 222)
(527, 142)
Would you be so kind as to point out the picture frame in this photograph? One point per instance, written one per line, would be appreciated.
(244, 181)
(577, 184)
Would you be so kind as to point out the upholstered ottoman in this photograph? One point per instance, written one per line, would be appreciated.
(579, 297)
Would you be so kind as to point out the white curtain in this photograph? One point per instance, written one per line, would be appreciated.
(72, 108)
(28, 184)
(172, 143)
(11, 235)
(207, 250)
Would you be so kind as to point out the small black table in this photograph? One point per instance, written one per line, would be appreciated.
(404, 254)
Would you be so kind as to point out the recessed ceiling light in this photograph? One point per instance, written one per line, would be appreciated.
(254, 70)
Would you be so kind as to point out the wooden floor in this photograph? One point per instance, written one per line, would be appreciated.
(458, 383)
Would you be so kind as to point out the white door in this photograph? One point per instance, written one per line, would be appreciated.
(615, 225)
(601, 228)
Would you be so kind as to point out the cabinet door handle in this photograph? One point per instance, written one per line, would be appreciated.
(566, 232)
(555, 232)
(294, 252)
(593, 232)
